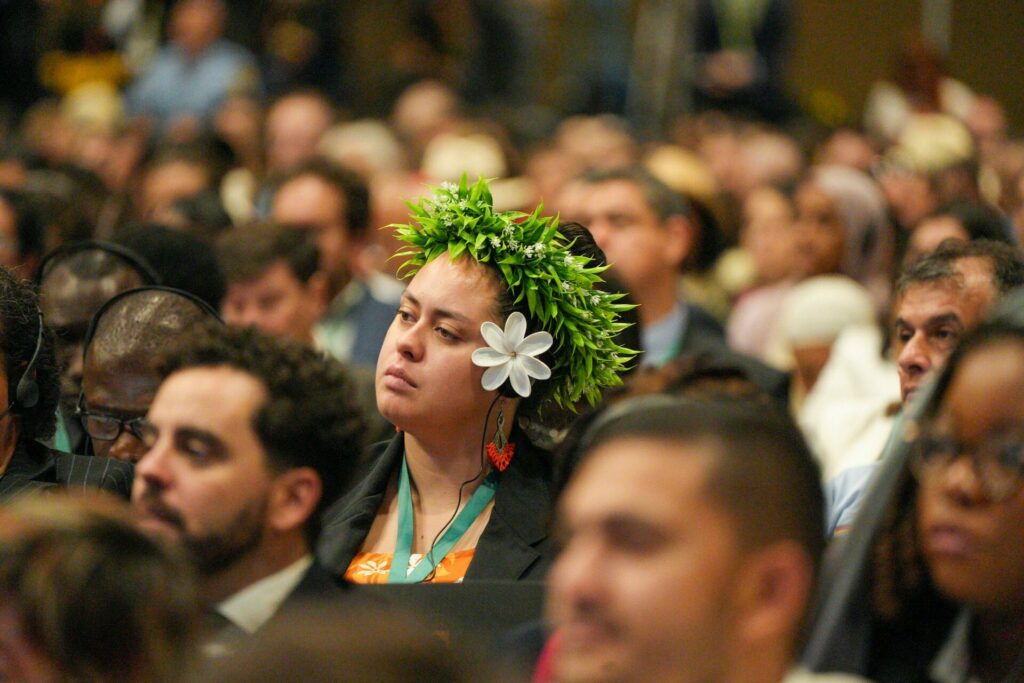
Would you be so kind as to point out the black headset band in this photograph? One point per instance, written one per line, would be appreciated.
(109, 303)
(130, 257)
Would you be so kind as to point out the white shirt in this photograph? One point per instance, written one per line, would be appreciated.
(253, 606)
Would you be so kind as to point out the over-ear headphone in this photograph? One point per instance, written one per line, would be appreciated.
(139, 264)
(26, 394)
(109, 303)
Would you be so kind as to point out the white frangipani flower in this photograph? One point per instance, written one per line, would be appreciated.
(509, 353)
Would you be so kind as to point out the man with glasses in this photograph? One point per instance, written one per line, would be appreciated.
(248, 438)
(120, 378)
(929, 585)
(29, 390)
(75, 280)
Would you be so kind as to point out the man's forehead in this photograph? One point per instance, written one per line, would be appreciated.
(640, 476)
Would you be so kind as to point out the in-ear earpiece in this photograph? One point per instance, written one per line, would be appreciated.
(26, 394)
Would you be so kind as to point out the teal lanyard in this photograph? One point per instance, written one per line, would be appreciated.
(403, 546)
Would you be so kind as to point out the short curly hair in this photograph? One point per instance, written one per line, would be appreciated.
(310, 418)
(19, 329)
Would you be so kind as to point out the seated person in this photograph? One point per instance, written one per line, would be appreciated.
(274, 285)
(29, 392)
(937, 591)
(75, 280)
(120, 377)
(247, 439)
(273, 281)
(691, 537)
(454, 383)
(87, 597)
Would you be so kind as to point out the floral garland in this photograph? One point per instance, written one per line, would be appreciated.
(560, 289)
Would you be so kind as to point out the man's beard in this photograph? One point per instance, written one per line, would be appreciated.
(215, 552)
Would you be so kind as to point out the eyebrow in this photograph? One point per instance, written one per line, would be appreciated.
(438, 312)
(210, 439)
(935, 320)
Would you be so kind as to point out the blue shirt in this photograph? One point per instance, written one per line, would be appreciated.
(173, 85)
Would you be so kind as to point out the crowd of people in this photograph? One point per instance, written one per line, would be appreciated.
(744, 403)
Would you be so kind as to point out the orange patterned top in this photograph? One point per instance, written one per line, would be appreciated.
(374, 567)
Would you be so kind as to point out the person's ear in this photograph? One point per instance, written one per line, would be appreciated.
(293, 498)
(680, 240)
(774, 591)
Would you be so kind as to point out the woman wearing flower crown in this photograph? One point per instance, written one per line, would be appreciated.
(501, 317)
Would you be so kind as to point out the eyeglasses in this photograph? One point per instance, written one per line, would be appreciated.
(998, 461)
(109, 428)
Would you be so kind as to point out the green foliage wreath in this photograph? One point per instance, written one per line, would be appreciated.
(560, 289)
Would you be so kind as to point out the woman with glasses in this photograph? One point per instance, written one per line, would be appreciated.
(946, 567)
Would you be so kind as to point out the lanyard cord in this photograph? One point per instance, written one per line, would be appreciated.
(399, 565)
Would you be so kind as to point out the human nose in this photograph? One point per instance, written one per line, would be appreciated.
(913, 358)
(600, 232)
(410, 341)
(153, 465)
(576, 575)
(127, 447)
(961, 482)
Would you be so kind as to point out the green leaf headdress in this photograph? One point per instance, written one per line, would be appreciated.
(533, 257)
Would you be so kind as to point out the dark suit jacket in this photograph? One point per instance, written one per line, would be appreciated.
(704, 335)
(372, 319)
(34, 467)
(514, 545)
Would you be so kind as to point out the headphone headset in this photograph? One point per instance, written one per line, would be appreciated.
(141, 266)
(94, 323)
(26, 393)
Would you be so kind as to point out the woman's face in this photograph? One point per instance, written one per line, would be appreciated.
(820, 235)
(426, 381)
(768, 233)
(972, 543)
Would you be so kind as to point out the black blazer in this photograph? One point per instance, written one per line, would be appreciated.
(704, 335)
(34, 467)
(514, 545)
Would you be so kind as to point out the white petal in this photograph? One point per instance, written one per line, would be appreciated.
(536, 344)
(495, 337)
(533, 367)
(486, 357)
(496, 376)
(520, 380)
(515, 330)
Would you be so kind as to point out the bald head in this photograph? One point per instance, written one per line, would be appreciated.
(71, 290)
(120, 374)
(294, 126)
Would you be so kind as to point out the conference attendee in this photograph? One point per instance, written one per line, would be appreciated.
(842, 226)
(274, 285)
(931, 587)
(646, 231)
(120, 363)
(75, 280)
(963, 220)
(87, 597)
(502, 320)
(938, 298)
(294, 126)
(29, 394)
(188, 79)
(691, 538)
(247, 439)
(332, 204)
(273, 281)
